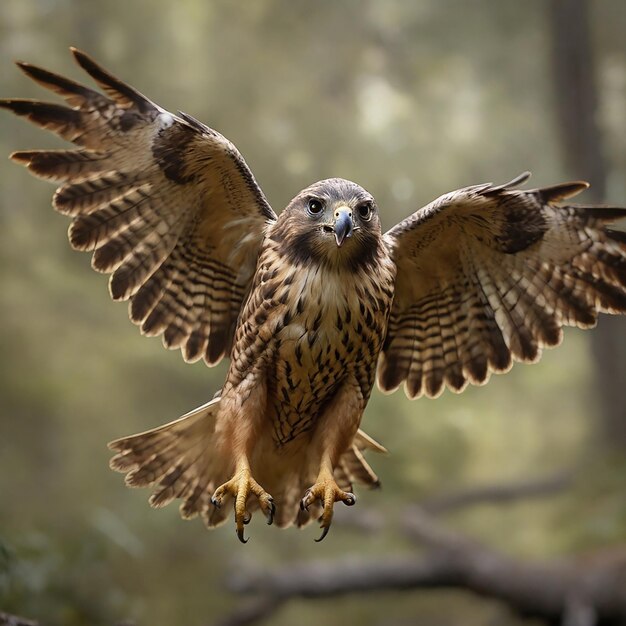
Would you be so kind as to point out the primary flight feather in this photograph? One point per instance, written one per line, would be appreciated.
(311, 305)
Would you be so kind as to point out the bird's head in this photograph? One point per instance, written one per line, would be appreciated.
(333, 221)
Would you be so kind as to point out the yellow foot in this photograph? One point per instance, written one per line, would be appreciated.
(327, 492)
(239, 487)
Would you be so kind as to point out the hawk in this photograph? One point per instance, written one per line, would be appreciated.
(313, 305)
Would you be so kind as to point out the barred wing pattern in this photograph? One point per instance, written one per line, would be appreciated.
(488, 275)
(167, 205)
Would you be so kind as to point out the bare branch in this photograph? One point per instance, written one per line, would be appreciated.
(498, 493)
(561, 590)
(252, 611)
(371, 521)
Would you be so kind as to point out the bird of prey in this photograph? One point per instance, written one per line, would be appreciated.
(313, 305)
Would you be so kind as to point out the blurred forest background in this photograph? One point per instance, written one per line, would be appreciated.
(409, 99)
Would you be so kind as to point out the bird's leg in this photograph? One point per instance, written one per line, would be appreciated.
(327, 492)
(240, 486)
(333, 435)
(237, 436)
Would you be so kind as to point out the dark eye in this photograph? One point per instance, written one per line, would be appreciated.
(365, 211)
(315, 206)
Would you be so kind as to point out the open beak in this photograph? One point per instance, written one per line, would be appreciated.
(343, 226)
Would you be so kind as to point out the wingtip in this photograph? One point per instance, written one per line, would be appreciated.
(563, 191)
(117, 445)
(11, 104)
(581, 184)
(90, 66)
(25, 67)
(490, 188)
(20, 157)
(82, 58)
(122, 93)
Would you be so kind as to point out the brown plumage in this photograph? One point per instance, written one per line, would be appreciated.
(309, 304)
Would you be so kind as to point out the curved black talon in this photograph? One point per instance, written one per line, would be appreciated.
(304, 507)
(240, 535)
(215, 502)
(270, 515)
(324, 533)
(350, 500)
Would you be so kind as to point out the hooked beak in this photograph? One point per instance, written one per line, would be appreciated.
(343, 226)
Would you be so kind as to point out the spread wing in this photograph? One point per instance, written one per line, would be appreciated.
(489, 275)
(167, 205)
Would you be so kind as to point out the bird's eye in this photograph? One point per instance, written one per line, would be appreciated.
(315, 206)
(365, 211)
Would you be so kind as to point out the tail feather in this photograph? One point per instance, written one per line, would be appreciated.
(212, 516)
(353, 468)
(364, 442)
(177, 461)
(358, 469)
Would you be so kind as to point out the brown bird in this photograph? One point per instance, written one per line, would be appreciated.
(309, 305)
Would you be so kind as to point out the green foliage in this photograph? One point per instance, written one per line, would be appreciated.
(63, 580)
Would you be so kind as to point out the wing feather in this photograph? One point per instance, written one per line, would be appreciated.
(167, 205)
(488, 275)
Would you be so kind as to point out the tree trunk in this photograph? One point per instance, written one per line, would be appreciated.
(576, 102)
